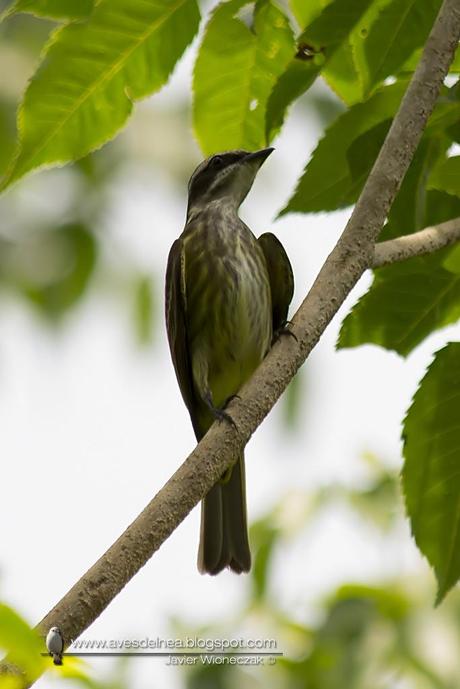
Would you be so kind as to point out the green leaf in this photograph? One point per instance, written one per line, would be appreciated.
(402, 26)
(431, 475)
(327, 182)
(7, 134)
(412, 62)
(317, 45)
(342, 76)
(344, 157)
(343, 72)
(454, 132)
(415, 207)
(357, 41)
(446, 176)
(379, 317)
(21, 643)
(426, 287)
(406, 302)
(83, 92)
(334, 24)
(441, 207)
(297, 79)
(452, 262)
(235, 71)
(53, 9)
(455, 64)
(306, 12)
(365, 148)
(446, 115)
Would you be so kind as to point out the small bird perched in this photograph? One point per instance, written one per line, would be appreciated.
(227, 294)
(55, 644)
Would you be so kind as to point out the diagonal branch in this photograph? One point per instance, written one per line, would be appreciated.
(424, 242)
(352, 255)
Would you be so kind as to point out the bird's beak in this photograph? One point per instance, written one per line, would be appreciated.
(259, 156)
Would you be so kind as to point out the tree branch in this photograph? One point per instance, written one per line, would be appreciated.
(424, 242)
(353, 254)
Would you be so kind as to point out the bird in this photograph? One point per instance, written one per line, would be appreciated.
(55, 644)
(227, 296)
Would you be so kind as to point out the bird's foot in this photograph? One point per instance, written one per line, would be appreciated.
(220, 414)
(284, 330)
(231, 398)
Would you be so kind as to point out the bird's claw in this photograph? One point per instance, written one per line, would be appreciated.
(284, 330)
(231, 398)
(221, 414)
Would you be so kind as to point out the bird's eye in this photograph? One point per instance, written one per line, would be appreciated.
(217, 161)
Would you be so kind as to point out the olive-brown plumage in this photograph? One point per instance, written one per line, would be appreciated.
(226, 293)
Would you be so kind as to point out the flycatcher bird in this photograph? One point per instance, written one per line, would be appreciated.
(227, 295)
(55, 644)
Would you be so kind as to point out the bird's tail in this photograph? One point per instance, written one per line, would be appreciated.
(57, 659)
(224, 531)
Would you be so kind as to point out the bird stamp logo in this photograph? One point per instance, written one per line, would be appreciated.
(55, 644)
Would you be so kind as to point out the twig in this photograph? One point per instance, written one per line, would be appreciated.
(424, 242)
(352, 255)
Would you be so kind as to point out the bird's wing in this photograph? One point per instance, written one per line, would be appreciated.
(280, 276)
(176, 325)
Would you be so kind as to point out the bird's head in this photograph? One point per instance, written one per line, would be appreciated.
(224, 178)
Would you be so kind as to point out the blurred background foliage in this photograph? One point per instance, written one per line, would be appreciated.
(384, 634)
(53, 248)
